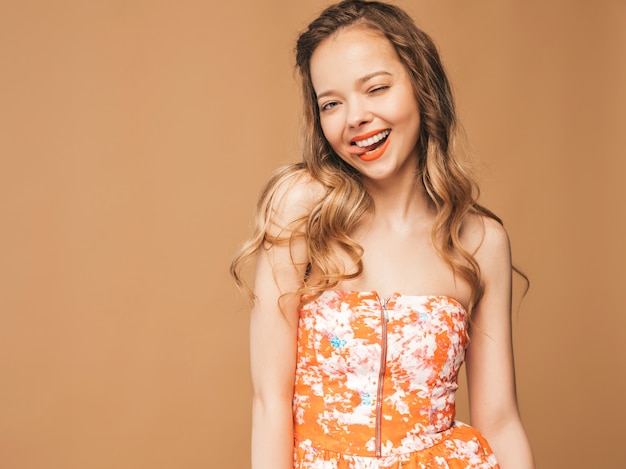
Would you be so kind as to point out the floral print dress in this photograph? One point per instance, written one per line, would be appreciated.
(375, 384)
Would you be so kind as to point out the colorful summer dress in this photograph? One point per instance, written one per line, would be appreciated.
(375, 384)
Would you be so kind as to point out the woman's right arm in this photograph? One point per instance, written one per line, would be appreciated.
(273, 335)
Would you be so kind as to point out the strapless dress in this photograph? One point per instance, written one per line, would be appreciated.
(375, 384)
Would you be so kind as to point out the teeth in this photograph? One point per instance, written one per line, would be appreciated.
(372, 140)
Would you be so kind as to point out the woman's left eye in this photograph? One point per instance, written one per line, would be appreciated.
(377, 89)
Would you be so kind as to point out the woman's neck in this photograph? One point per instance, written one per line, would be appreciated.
(399, 202)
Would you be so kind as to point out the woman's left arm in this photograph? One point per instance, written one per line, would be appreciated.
(489, 360)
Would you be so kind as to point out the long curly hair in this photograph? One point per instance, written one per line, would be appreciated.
(442, 170)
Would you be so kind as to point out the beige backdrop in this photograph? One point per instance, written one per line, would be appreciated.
(134, 137)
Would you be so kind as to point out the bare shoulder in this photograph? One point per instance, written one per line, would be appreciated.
(486, 238)
(290, 195)
(298, 186)
(491, 249)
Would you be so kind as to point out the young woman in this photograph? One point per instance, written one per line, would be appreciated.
(375, 265)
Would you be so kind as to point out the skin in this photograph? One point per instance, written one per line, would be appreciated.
(363, 89)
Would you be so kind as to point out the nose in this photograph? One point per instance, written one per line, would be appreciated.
(358, 114)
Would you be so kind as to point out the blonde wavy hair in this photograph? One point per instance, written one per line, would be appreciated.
(441, 170)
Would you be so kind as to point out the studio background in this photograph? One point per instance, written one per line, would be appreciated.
(134, 138)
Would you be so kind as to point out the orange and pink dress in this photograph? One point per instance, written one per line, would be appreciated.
(376, 381)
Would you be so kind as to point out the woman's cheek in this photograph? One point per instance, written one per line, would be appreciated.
(331, 131)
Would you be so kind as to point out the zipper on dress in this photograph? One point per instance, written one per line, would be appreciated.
(381, 376)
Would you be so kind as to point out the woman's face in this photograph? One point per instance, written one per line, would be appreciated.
(367, 107)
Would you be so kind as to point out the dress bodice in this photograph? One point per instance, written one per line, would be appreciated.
(376, 376)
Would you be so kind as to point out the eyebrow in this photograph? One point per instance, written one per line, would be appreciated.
(361, 80)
